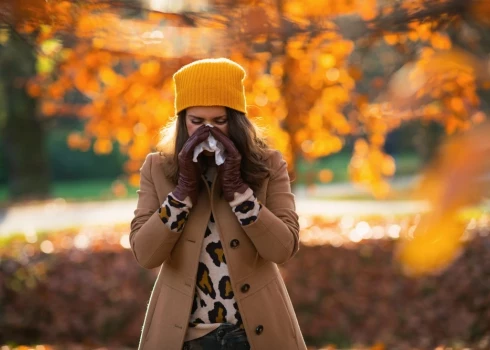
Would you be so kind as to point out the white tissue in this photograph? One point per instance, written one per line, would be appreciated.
(212, 145)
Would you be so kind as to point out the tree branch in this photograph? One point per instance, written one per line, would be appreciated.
(353, 27)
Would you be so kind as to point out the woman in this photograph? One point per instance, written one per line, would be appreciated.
(216, 232)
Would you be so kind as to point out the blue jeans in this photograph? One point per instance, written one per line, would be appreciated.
(225, 337)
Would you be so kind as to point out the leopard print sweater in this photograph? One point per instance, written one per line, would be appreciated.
(214, 301)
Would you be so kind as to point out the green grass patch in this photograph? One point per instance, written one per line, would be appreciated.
(90, 190)
(3, 193)
(307, 171)
(83, 190)
(395, 195)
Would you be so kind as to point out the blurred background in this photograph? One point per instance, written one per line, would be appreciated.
(379, 107)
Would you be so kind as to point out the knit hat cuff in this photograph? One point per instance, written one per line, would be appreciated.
(211, 95)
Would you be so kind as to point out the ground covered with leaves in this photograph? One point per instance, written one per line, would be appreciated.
(84, 287)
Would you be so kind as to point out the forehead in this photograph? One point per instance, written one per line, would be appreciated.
(206, 111)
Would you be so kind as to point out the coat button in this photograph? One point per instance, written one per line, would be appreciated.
(245, 288)
(234, 243)
(259, 329)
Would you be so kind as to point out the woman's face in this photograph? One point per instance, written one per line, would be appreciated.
(213, 115)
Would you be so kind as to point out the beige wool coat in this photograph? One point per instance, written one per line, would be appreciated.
(267, 313)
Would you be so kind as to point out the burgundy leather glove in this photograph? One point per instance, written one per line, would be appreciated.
(189, 171)
(229, 171)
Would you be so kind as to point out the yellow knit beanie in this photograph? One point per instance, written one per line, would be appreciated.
(210, 82)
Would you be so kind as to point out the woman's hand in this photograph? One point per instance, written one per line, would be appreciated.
(189, 171)
(229, 171)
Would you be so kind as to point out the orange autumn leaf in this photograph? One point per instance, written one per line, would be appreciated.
(368, 10)
(119, 189)
(457, 104)
(74, 140)
(440, 41)
(49, 108)
(391, 39)
(325, 175)
(34, 90)
(102, 146)
(150, 68)
(377, 139)
(134, 180)
(413, 35)
(378, 346)
(355, 72)
(56, 91)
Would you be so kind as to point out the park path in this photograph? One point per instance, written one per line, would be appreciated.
(58, 214)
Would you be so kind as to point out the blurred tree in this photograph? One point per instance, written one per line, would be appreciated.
(302, 80)
(22, 133)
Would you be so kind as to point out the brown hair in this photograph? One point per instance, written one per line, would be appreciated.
(243, 133)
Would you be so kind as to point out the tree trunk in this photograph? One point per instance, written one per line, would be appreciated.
(22, 133)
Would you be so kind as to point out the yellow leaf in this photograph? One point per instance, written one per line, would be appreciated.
(388, 166)
(377, 139)
(51, 46)
(4, 35)
(328, 61)
(108, 76)
(435, 245)
(150, 68)
(123, 136)
(46, 29)
(44, 64)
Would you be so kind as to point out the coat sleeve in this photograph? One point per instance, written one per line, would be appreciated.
(275, 233)
(151, 240)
